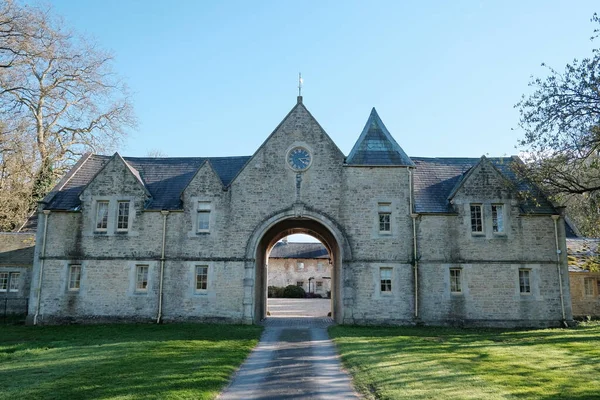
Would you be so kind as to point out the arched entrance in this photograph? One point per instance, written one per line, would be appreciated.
(280, 226)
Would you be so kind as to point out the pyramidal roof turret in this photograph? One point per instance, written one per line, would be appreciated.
(376, 146)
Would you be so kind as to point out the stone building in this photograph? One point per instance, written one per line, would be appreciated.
(301, 264)
(16, 262)
(584, 276)
(411, 239)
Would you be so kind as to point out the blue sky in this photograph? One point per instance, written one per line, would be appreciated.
(215, 78)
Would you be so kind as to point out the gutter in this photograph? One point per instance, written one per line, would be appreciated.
(41, 275)
(414, 217)
(164, 213)
(560, 285)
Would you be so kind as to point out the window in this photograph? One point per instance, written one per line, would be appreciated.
(201, 277)
(385, 275)
(476, 218)
(497, 218)
(123, 216)
(455, 280)
(525, 281)
(204, 209)
(320, 266)
(319, 286)
(385, 216)
(101, 216)
(588, 286)
(300, 283)
(14, 281)
(300, 266)
(141, 278)
(3, 281)
(74, 277)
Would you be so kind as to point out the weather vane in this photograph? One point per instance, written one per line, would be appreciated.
(300, 83)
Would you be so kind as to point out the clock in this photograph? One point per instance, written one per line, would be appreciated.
(299, 158)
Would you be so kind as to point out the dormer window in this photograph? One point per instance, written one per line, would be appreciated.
(102, 216)
(204, 209)
(123, 216)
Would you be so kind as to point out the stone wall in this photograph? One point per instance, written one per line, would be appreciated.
(585, 305)
(344, 201)
(286, 271)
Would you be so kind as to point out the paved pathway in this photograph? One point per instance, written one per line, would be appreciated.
(295, 359)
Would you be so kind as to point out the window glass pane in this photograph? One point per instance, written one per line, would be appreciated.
(141, 281)
(384, 222)
(102, 215)
(386, 279)
(123, 216)
(201, 277)
(300, 283)
(319, 285)
(203, 220)
(588, 285)
(455, 281)
(3, 281)
(300, 266)
(476, 218)
(497, 218)
(524, 281)
(74, 277)
(14, 281)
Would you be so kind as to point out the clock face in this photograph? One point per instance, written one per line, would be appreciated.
(299, 159)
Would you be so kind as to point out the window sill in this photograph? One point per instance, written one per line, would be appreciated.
(385, 233)
(500, 234)
(100, 232)
(122, 232)
(456, 293)
(201, 293)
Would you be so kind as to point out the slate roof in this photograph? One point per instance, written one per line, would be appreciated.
(581, 253)
(376, 146)
(435, 178)
(165, 178)
(16, 249)
(298, 250)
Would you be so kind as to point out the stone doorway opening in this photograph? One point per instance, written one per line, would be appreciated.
(319, 265)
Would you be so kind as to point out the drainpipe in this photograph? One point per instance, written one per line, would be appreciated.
(558, 251)
(164, 213)
(39, 288)
(414, 216)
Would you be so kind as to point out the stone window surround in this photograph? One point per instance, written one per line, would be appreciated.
(486, 214)
(4, 278)
(128, 208)
(210, 279)
(113, 212)
(534, 277)
(132, 268)
(192, 208)
(392, 206)
(12, 278)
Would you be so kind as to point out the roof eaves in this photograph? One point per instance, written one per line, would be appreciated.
(65, 179)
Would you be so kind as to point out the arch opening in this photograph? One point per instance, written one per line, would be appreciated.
(274, 234)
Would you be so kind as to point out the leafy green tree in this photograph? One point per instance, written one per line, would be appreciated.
(561, 121)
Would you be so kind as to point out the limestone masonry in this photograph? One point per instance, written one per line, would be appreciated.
(437, 241)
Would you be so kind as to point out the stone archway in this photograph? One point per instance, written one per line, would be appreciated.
(274, 229)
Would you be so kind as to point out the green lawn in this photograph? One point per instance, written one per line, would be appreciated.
(446, 363)
(172, 361)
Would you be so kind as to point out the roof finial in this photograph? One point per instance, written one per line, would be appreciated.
(300, 81)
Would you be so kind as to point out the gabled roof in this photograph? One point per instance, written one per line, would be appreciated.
(299, 250)
(482, 161)
(165, 178)
(436, 178)
(376, 146)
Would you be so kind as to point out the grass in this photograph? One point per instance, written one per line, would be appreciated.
(447, 363)
(173, 361)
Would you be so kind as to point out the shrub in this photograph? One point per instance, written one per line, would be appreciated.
(275, 292)
(293, 292)
(313, 296)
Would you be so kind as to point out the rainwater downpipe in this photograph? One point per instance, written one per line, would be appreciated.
(560, 285)
(164, 213)
(414, 216)
(41, 275)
